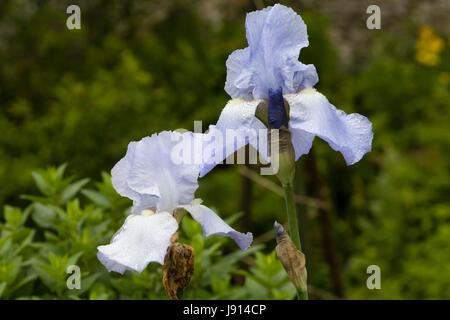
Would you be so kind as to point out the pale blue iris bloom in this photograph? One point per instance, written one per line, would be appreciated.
(158, 187)
(275, 37)
(269, 70)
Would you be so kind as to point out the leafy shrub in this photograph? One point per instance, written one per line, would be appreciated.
(65, 224)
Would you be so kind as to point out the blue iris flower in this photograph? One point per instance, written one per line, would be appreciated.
(269, 66)
(268, 71)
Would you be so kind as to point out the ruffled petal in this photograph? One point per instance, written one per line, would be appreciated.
(150, 176)
(213, 224)
(239, 83)
(237, 126)
(312, 115)
(142, 239)
(119, 179)
(275, 36)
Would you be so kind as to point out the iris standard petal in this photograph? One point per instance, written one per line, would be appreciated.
(149, 175)
(142, 239)
(275, 36)
(239, 79)
(237, 126)
(119, 179)
(119, 173)
(312, 115)
(212, 224)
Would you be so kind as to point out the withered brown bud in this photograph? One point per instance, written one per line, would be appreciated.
(178, 267)
(293, 261)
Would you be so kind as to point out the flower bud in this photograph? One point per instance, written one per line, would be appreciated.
(178, 267)
(293, 261)
(285, 149)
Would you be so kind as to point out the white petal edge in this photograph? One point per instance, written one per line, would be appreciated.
(212, 224)
(142, 239)
(312, 115)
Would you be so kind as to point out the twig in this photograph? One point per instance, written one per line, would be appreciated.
(266, 183)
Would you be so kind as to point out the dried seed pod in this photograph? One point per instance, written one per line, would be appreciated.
(178, 267)
(293, 261)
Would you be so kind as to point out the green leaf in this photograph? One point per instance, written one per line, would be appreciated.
(13, 216)
(96, 197)
(42, 200)
(4, 240)
(225, 264)
(233, 218)
(71, 190)
(87, 282)
(25, 242)
(6, 244)
(45, 274)
(44, 215)
(26, 213)
(60, 171)
(41, 184)
(74, 258)
(10, 270)
(23, 282)
(2, 288)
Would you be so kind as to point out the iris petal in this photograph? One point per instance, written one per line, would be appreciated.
(237, 126)
(212, 224)
(149, 176)
(312, 115)
(275, 36)
(142, 239)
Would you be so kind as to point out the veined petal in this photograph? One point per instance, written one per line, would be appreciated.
(239, 80)
(312, 115)
(237, 126)
(150, 177)
(141, 240)
(213, 224)
(119, 179)
(275, 36)
(301, 140)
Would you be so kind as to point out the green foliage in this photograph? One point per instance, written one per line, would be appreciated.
(401, 212)
(267, 279)
(69, 221)
(139, 67)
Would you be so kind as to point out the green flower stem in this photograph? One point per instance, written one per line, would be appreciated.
(293, 228)
(292, 215)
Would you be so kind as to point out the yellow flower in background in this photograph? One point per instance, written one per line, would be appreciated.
(428, 47)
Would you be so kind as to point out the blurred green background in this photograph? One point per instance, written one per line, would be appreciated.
(139, 67)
